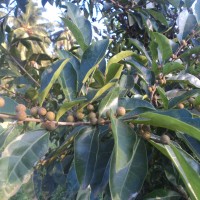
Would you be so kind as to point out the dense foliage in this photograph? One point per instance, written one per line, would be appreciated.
(103, 105)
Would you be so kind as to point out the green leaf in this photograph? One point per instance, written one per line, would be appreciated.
(18, 159)
(189, 52)
(9, 134)
(123, 140)
(49, 76)
(68, 105)
(196, 11)
(172, 67)
(114, 71)
(92, 57)
(186, 23)
(158, 16)
(81, 23)
(126, 183)
(76, 33)
(118, 57)
(140, 47)
(185, 78)
(101, 173)
(162, 194)
(163, 45)
(133, 103)
(9, 107)
(68, 81)
(85, 150)
(189, 176)
(163, 97)
(104, 89)
(110, 101)
(177, 120)
(176, 100)
(174, 3)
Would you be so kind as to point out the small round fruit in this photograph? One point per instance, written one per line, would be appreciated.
(150, 89)
(191, 100)
(50, 126)
(21, 116)
(34, 111)
(2, 102)
(108, 114)
(50, 116)
(20, 107)
(146, 135)
(93, 120)
(101, 121)
(161, 82)
(121, 111)
(165, 139)
(80, 115)
(181, 106)
(90, 107)
(42, 111)
(70, 118)
(92, 115)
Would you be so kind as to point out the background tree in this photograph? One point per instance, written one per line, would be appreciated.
(115, 116)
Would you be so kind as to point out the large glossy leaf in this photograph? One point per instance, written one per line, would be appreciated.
(186, 23)
(92, 57)
(81, 23)
(124, 139)
(69, 81)
(189, 176)
(101, 173)
(197, 11)
(85, 150)
(18, 159)
(178, 99)
(127, 182)
(9, 107)
(114, 71)
(177, 120)
(186, 78)
(110, 101)
(118, 57)
(164, 46)
(49, 76)
(133, 103)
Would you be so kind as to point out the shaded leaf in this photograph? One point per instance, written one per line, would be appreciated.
(114, 71)
(163, 97)
(49, 76)
(86, 147)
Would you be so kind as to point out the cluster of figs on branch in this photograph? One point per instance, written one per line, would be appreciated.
(47, 118)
